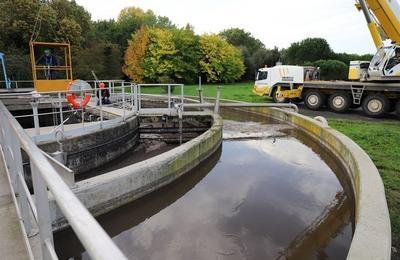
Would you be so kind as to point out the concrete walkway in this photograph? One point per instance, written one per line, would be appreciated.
(12, 243)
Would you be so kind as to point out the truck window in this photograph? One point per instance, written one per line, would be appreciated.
(262, 75)
(380, 55)
(394, 60)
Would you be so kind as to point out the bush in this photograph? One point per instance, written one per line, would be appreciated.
(332, 69)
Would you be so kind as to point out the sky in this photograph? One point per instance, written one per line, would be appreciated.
(275, 23)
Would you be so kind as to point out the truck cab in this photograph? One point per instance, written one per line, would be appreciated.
(269, 79)
(385, 65)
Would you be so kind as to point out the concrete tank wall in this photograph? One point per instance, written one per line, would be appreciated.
(88, 151)
(109, 191)
(372, 235)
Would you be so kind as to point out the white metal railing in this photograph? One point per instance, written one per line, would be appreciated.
(13, 140)
(128, 97)
(122, 94)
(16, 84)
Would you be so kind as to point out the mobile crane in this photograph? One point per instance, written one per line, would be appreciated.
(374, 85)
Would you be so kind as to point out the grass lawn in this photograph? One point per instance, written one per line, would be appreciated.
(382, 143)
(237, 91)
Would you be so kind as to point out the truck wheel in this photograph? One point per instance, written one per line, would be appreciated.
(339, 102)
(276, 98)
(376, 105)
(314, 99)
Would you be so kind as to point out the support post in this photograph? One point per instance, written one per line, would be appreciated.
(169, 98)
(22, 198)
(123, 104)
(83, 112)
(200, 90)
(43, 209)
(101, 108)
(35, 111)
(135, 89)
(61, 111)
(216, 106)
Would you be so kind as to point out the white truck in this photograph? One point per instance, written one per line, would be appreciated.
(272, 81)
(286, 83)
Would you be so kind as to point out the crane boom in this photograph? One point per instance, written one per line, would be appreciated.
(372, 26)
(387, 14)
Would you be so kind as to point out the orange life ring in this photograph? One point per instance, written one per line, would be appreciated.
(76, 85)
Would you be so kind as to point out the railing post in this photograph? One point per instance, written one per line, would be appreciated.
(132, 98)
(61, 111)
(43, 210)
(83, 112)
(12, 153)
(22, 198)
(139, 98)
(216, 107)
(182, 94)
(35, 111)
(135, 98)
(200, 90)
(123, 104)
(101, 107)
(169, 98)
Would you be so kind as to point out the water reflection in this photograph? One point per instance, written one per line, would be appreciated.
(265, 198)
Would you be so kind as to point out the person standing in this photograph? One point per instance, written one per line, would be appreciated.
(49, 61)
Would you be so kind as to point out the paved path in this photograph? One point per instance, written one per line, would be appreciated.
(12, 243)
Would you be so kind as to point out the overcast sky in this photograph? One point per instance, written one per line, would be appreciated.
(275, 23)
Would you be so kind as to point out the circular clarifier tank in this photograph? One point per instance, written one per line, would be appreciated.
(269, 192)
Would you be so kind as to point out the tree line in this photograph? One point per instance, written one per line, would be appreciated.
(144, 47)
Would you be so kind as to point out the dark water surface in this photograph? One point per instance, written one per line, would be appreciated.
(268, 193)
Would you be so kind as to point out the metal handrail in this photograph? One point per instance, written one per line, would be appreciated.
(92, 236)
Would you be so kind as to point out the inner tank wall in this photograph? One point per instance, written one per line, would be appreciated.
(106, 192)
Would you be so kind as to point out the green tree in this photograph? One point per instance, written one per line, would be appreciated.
(18, 64)
(131, 19)
(332, 69)
(248, 44)
(239, 37)
(220, 61)
(17, 20)
(310, 49)
(58, 20)
(134, 55)
(105, 30)
(103, 58)
(73, 22)
(346, 58)
(158, 64)
(163, 55)
(186, 60)
(266, 57)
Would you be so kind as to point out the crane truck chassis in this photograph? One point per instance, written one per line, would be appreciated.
(286, 83)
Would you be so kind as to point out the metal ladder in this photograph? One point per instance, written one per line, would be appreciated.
(357, 92)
